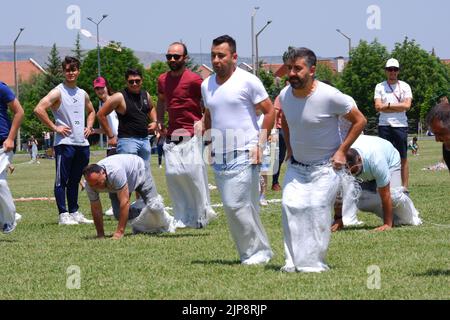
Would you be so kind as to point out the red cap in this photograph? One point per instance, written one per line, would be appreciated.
(100, 82)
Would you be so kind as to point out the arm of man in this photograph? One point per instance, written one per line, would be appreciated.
(153, 125)
(287, 140)
(90, 117)
(358, 123)
(386, 202)
(109, 106)
(97, 215)
(266, 107)
(123, 196)
(399, 107)
(50, 101)
(160, 112)
(18, 112)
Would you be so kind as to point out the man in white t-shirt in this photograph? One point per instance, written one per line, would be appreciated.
(310, 119)
(392, 99)
(376, 164)
(231, 97)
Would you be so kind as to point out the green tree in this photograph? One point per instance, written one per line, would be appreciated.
(156, 69)
(77, 51)
(364, 70)
(325, 73)
(54, 73)
(426, 74)
(273, 87)
(115, 60)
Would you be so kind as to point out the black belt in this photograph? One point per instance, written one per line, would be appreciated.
(293, 161)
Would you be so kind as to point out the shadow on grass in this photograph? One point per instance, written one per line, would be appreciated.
(8, 240)
(151, 235)
(433, 273)
(221, 262)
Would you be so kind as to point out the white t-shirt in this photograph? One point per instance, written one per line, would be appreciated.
(313, 122)
(379, 158)
(232, 108)
(344, 124)
(393, 93)
(121, 169)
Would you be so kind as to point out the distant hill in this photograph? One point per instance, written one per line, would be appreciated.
(40, 54)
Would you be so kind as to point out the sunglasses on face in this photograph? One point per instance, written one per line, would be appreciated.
(392, 69)
(174, 56)
(135, 81)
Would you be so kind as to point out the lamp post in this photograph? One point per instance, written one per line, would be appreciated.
(16, 85)
(349, 41)
(256, 43)
(98, 60)
(253, 38)
(98, 41)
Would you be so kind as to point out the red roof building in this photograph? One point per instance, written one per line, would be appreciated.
(25, 70)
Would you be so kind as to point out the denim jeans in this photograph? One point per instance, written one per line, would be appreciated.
(137, 146)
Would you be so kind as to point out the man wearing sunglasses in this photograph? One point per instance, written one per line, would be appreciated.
(392, 99)
(134, 108)
(376, 164)
(179, 93)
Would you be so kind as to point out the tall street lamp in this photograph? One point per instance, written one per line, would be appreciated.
(253, 39)
(256, 42)
(16, 84)
(349, 41)
(98, 41)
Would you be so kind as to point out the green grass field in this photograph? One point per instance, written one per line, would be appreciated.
(36, 259)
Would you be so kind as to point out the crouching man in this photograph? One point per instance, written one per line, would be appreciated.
(376, 165)
(120, 175)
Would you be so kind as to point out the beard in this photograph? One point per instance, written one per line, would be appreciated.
(298, 83)
(175, 66)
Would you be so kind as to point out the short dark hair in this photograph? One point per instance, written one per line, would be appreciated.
(72, 62)
(293, 53)
(226, 39)
(441, 112)
(352, 157)
(181, 44)
(92, 168)
(133, 72)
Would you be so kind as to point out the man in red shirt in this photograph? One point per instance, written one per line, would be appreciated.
(179, 94)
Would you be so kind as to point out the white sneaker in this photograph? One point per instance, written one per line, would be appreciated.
(66, 219)
(79, 218)
(109, 212)
(18, 217)
(263, 201)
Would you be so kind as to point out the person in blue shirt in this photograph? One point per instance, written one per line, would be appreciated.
(376, 165)
(8, 133)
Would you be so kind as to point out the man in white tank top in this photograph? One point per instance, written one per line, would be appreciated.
(69, 104)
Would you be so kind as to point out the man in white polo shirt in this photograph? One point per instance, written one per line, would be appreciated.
(392, 99)
(310, 120)
(231, 97)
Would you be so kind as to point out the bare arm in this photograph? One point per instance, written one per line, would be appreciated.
(161, 110)
(287, 140)
(51, 100)
(97, 215)
(110, 105)
(393, 107)
(153, 126)
(18, 112)
(386, 202)
(123, 196)
(358, 123)
(90, 117)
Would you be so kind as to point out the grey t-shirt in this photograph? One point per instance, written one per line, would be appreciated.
(121, 169)
(313, 122)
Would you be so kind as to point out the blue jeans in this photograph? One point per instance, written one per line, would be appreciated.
(137, 146)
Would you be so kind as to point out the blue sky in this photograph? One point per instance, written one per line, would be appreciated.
(152, 25)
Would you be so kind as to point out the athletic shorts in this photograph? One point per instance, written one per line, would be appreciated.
(398, 136)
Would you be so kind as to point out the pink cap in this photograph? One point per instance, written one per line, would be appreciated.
(100, 82)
